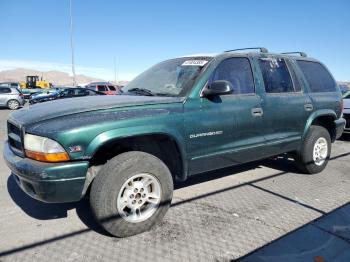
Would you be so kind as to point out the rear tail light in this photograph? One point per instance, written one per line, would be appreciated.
(21, 95)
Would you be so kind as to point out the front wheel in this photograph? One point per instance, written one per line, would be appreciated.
(131, 193)
(315, 152)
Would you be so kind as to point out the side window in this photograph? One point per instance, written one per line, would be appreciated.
(101, 88)
(276, 75)
(82, 92)
(238, 72)
(318, 78)
(111, 88)
(5, 90)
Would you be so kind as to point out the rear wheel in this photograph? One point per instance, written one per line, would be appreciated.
(314, 154)
(131, 193)
(13, 104)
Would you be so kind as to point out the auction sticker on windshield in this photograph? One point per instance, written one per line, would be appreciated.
(194, 63)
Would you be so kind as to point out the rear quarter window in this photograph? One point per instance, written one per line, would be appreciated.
(317, 76)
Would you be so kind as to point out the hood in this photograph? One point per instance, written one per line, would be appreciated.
(69, 106)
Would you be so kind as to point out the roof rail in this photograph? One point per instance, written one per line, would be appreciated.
(291, 53)
(262, 49)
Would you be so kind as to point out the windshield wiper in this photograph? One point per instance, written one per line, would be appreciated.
(164, 94)
(141, 91)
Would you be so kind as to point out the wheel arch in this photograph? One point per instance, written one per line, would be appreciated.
(167, 145)
(324, 118)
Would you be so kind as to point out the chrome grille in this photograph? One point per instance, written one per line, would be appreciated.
(15, 138)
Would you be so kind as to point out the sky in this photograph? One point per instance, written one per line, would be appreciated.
(134, 35)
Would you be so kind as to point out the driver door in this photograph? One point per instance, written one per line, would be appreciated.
(225, 130)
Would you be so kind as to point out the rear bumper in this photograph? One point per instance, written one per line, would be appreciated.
(48, 182)
(339, 127)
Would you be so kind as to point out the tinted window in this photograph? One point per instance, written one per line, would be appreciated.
(14, 84)
(238, 72)
(276, 75)
(68, 92)
(101, 88)
(5, 90)
(112, 88)
(318, 78)
(82, 92)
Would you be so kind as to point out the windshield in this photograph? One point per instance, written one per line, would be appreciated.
(170, 78)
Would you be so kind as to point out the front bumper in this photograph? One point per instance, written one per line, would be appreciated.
(339, 127)
(48, 182)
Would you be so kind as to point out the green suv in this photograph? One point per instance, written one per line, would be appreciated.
(181, 117)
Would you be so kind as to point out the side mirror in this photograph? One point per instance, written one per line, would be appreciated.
(217, 88)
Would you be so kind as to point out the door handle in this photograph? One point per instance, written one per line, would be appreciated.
(308, 107)
(257, 111)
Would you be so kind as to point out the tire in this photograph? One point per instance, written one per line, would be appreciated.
(13, 104)
(305, 160)
(111, 186)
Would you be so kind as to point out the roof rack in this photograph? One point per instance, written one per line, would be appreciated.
(291, 53)
(262, 49)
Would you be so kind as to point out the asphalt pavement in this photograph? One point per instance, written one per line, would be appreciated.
(262, 211)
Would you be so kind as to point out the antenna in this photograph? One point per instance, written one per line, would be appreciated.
(292, 53)
(262, 49)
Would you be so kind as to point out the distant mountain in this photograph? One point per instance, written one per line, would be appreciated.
(54, 77)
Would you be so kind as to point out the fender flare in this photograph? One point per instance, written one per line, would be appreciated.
(123, 133)
(315, 115)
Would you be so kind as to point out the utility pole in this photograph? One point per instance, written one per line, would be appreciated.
(71, 41)
(115, 71)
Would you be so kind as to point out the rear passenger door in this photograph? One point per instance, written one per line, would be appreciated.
(286, 107)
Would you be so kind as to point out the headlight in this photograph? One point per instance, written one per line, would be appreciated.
(44, 149)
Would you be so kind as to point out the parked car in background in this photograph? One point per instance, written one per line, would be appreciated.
(11, 84)
(61, 93)
(77, 92)
(346, 111)
(27, 92)
(105, 87)
(44, 96)
(11, 97)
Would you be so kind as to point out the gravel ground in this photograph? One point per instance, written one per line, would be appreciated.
(263, 211)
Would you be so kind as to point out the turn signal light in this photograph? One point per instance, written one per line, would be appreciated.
(47, 157)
